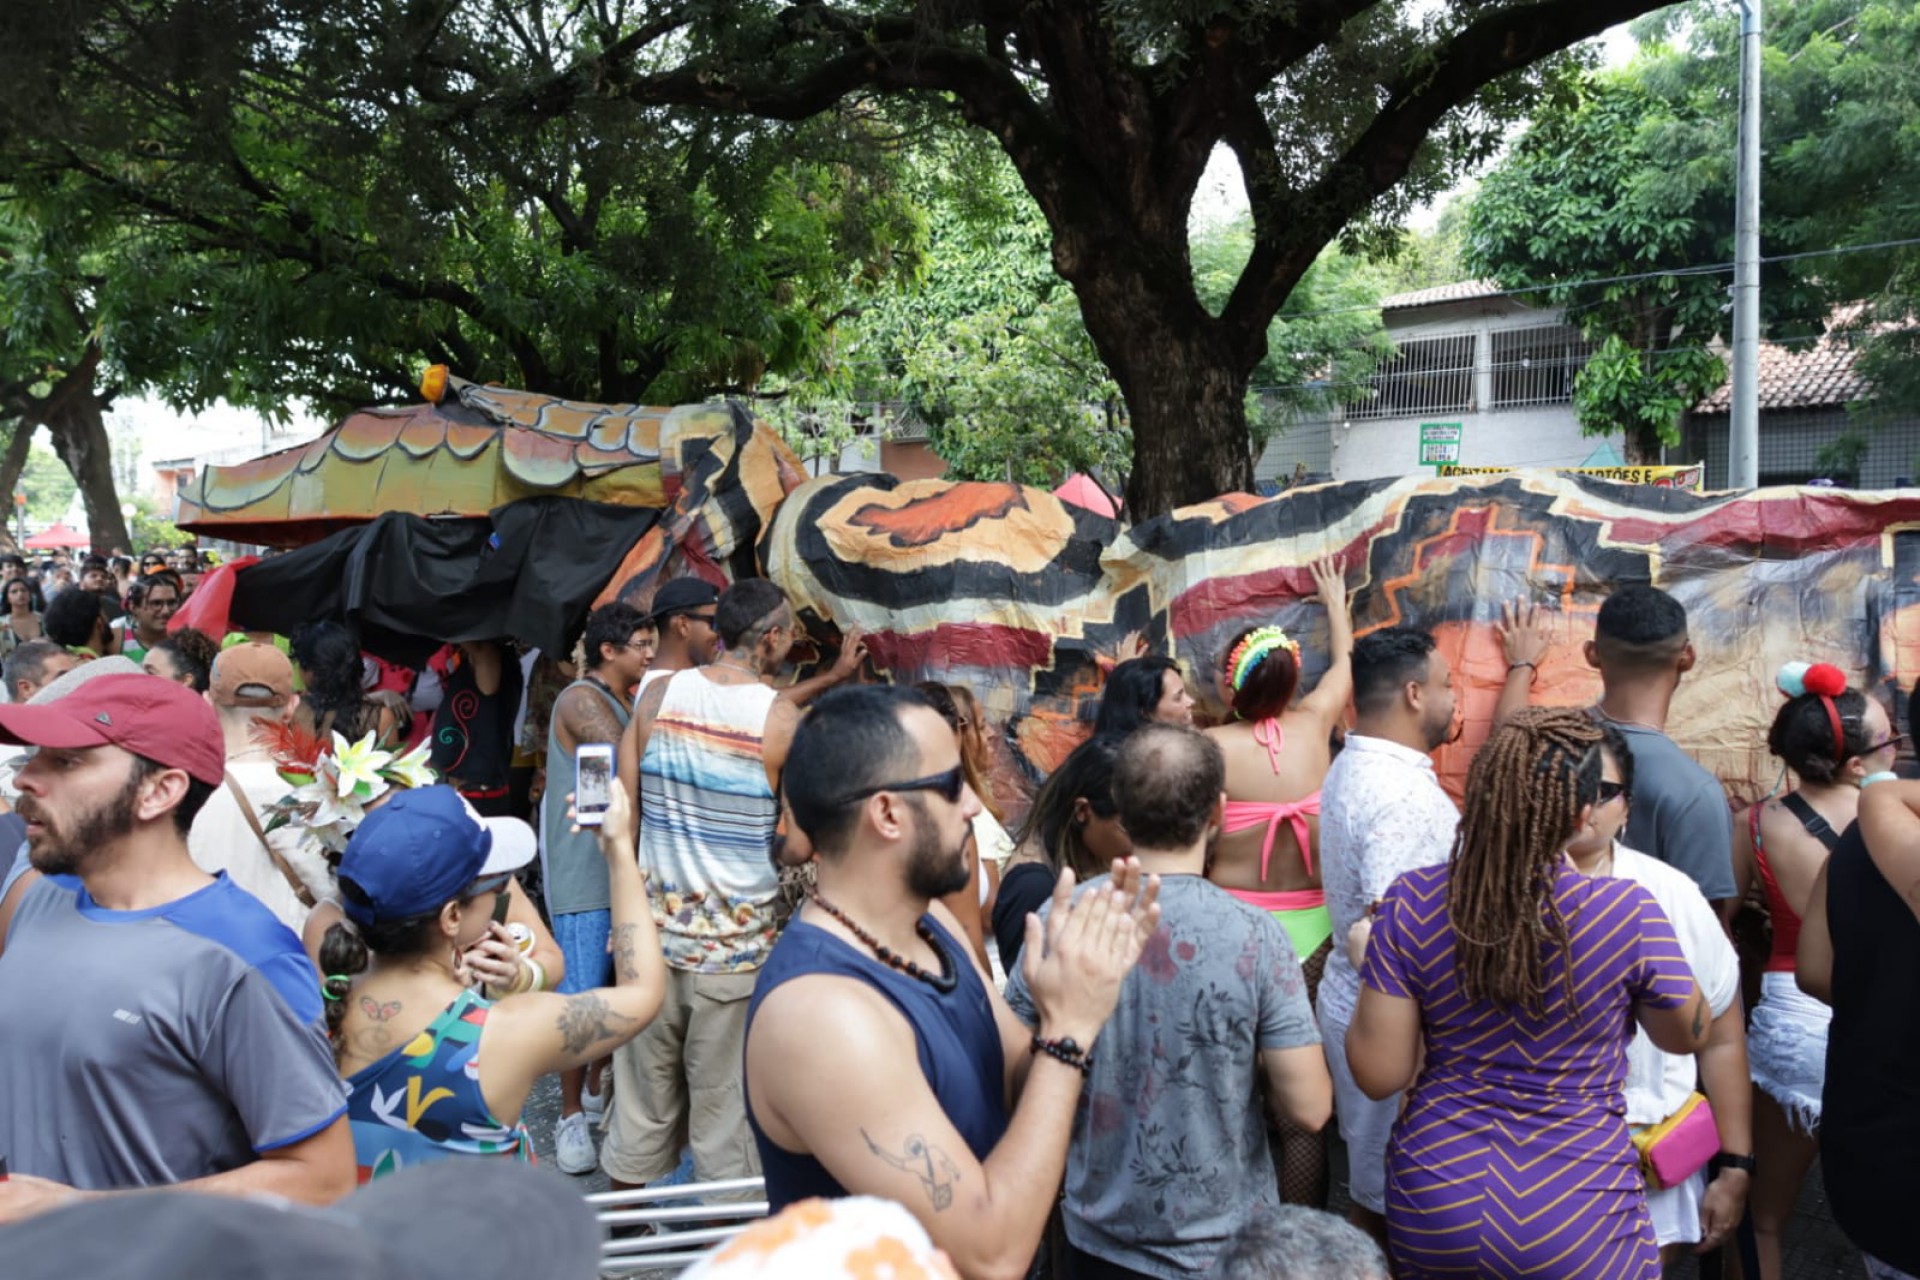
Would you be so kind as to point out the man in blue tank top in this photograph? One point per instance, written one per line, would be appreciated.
(940, 1098)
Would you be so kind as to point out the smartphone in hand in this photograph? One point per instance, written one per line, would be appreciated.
(592, 782)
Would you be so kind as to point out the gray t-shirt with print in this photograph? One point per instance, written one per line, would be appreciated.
(147, 1048)
(1169, 1160)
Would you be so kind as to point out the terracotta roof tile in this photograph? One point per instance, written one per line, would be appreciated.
(1800, 375)
(1462, 291)
(1804, 375)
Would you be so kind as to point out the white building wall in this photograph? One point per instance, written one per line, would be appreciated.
(1541, 436)
(1538, 435)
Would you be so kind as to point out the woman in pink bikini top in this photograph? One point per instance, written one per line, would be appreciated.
(1277, 754)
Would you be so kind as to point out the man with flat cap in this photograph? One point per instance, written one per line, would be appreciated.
(158, 1026)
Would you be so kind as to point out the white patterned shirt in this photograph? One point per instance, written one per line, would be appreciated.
(1382, 814)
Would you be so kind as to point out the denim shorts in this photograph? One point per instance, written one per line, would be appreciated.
(582, 936)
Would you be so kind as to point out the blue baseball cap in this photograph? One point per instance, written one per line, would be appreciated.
(421, 850)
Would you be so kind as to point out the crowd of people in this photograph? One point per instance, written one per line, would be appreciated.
(318, 919)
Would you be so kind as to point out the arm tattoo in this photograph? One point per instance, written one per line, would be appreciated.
(586, 1021)
(588, 718)
(374, 1041)
(645, 710)
(1699, 1017)
(932, 1166)
(623, 957)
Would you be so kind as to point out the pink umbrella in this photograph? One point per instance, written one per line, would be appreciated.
(1084, 491)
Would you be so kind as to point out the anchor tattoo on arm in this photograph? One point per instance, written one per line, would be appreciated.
(932, 1166)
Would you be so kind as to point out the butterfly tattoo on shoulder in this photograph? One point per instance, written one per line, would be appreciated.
(377, 1010)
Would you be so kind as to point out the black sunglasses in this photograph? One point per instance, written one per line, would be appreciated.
(949, 786)
(1894, 741)
(1610, 791)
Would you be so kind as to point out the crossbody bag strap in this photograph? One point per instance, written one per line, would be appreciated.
(294, 882)
(1816, 826)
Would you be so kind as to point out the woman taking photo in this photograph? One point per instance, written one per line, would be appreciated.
(434, 1069)
(1508, 983)
(1833, 739)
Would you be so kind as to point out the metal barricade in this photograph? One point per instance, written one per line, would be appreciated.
(664, 1247)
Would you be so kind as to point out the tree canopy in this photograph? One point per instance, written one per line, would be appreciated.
(209, 200)
(355, 184)
(988, 349)
(1631, 182)
(314, 225)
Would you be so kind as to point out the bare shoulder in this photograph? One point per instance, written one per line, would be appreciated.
(648, 703)
(786, 1027)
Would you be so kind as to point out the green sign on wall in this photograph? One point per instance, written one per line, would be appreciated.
(1440, 443)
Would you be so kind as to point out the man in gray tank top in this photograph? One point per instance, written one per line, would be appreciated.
(619, 644)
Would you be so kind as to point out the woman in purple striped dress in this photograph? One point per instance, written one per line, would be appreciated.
(1520, 978)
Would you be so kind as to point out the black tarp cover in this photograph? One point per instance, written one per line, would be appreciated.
(408, 584)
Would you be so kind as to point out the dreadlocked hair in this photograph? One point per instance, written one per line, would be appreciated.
(1525, 791)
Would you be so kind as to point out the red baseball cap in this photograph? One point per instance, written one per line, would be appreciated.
(165, 722)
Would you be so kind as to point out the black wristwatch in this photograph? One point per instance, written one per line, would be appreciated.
(1725, 1161)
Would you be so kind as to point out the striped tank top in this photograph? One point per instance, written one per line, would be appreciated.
(707, 815)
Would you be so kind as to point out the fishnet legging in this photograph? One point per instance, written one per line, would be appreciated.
(1300, 1158)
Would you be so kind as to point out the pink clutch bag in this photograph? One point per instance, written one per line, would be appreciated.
(1679, 1146)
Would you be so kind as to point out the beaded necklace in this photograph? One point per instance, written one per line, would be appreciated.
(944, 982)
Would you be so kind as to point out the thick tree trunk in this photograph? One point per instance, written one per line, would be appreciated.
(1643, 447)
(1189, 429)
(79, 431)
(1185, 386)
(12, 463)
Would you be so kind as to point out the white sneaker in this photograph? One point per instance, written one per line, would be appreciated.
(594, 1105)
(573, 1145)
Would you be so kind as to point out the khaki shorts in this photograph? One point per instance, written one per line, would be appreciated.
(679, 1083)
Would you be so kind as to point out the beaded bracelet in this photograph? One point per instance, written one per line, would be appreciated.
(1067, 1051)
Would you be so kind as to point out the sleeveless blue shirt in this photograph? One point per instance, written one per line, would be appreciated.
(956, 1035)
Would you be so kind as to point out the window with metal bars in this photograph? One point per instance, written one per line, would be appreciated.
(1426, 375)
(1537, 366)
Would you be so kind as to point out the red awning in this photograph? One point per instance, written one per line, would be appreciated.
(58, 538)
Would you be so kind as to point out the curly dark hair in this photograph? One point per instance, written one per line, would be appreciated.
(193, 652)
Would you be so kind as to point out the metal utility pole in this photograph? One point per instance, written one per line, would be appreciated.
(1743, 449)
